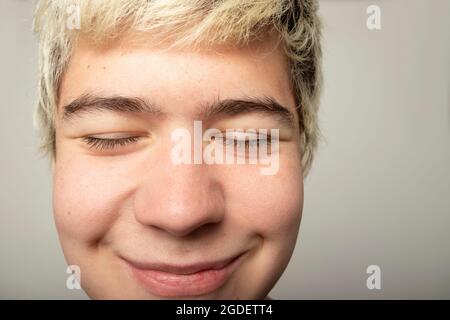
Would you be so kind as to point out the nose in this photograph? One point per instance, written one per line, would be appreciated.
(179, 198)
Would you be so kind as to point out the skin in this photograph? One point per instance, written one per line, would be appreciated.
(134, 202)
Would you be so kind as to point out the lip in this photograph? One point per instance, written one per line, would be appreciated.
(197, 279)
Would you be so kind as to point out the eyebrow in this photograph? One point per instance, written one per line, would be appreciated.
(233, 107)
(119, 104)
(219, 108)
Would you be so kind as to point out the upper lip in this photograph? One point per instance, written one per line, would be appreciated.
(183, 269)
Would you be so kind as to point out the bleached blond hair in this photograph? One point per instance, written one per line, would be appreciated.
(184, 23)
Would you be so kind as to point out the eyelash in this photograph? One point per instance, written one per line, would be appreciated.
(108, 144)
(249, 143)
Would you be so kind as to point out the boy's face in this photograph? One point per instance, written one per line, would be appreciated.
(143, 227)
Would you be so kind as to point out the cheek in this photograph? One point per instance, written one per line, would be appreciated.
(86, 198)
(269, 205)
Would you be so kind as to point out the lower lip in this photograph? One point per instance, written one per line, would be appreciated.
(183, 285)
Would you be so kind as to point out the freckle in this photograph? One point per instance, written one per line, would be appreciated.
(88, 66)
(69, 213)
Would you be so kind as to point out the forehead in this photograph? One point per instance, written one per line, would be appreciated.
(177, 79)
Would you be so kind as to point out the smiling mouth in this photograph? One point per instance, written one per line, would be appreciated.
(197, 279)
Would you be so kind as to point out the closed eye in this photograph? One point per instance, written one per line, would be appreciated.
(101, 144)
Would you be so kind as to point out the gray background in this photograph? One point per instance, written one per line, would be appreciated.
(379, 190)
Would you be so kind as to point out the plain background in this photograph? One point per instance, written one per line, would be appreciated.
(379, 190)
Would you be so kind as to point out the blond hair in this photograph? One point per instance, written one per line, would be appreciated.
(184, 22)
